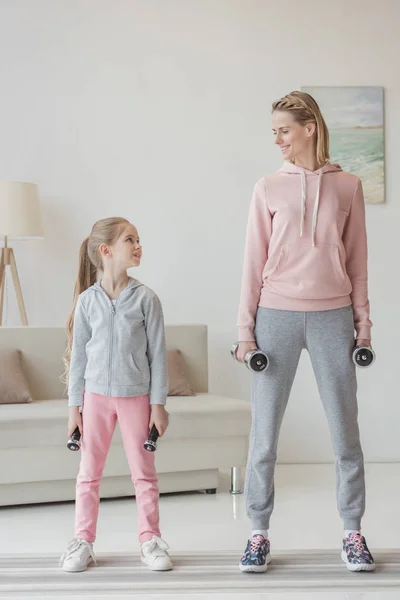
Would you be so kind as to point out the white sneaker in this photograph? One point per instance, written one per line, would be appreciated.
(77, 556)
(155, 555)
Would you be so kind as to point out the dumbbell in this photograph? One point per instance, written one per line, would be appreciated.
(363, 356)
(74, 442)
(151, 442)
(255, 360)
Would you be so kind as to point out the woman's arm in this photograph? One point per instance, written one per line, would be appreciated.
(259, 230)
(81, 335)
(355, 243)
(156, 351)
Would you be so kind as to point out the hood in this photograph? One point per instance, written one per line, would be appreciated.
(290, 169)
(328, 167)
(133, 284)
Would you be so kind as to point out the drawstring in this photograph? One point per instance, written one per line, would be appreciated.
(303, 204)
(316, 205)
(303, 201)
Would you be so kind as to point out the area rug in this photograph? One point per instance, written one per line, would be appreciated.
(119, 575)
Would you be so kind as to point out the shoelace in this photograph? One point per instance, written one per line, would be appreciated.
(256, 542)
(75, 545)
(357, 540)
(155, 546)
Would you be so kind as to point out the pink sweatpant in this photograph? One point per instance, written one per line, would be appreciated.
(100, 414)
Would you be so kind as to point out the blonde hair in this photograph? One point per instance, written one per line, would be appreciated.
(305, 110)
(105, 231)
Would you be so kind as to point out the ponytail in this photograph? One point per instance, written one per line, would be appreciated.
(87, 276)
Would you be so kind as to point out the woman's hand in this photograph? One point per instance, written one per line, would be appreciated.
(160, 418)
(74, 420)
(244, 348)
(365, 343)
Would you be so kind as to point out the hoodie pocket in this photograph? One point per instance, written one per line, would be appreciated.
(313, 273)
(96, 367)
(127, 372)
(274, 264)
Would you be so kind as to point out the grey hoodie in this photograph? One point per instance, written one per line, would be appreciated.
(118, 350)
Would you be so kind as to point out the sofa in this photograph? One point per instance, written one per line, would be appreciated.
(207, 432)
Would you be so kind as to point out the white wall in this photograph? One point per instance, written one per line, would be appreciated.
(158, 110)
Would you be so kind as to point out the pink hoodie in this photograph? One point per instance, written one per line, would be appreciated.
(306, 246)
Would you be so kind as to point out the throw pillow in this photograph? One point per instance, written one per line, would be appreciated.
(178, 385)
(14, 388)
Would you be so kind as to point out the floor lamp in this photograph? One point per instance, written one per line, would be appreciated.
(20, 218)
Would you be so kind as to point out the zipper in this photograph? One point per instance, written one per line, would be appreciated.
(111, 341)
(111, 335)
(110, 346)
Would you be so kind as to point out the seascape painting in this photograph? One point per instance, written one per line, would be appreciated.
(354, 116)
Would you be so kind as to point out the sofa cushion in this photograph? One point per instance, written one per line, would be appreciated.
(205, 432)
(44, 422)
(14, 387)
(178, 384)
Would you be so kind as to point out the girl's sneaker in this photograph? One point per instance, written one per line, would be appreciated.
(256, 556)
(356, 554)
(77, 556)
(155, 555)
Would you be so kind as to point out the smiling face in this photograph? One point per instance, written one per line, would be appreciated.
(293, 138)
(126, 252)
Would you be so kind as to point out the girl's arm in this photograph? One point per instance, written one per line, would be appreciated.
(259, 230)
(355, 243)
(81, 336)
(156, 351)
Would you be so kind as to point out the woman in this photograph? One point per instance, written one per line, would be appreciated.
(305, 286)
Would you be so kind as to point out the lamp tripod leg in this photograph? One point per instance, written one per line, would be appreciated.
(18, 290)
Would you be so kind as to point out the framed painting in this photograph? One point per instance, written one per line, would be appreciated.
(355, 118)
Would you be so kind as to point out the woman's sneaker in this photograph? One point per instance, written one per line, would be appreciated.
(356, 554)
(77, 556)
(155, 555)
(256, 556)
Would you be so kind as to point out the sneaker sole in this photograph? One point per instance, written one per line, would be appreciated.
(65, 568)
(169, 568)
(256, 568)
(356, 567)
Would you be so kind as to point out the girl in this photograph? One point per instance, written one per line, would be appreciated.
(116, 360)
(305, 286)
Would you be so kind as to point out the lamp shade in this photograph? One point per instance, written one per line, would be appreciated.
(20, 215)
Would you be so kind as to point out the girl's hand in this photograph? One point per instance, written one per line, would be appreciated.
(159, 417)
(244, 348)
(74, 420)
(365, 343)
